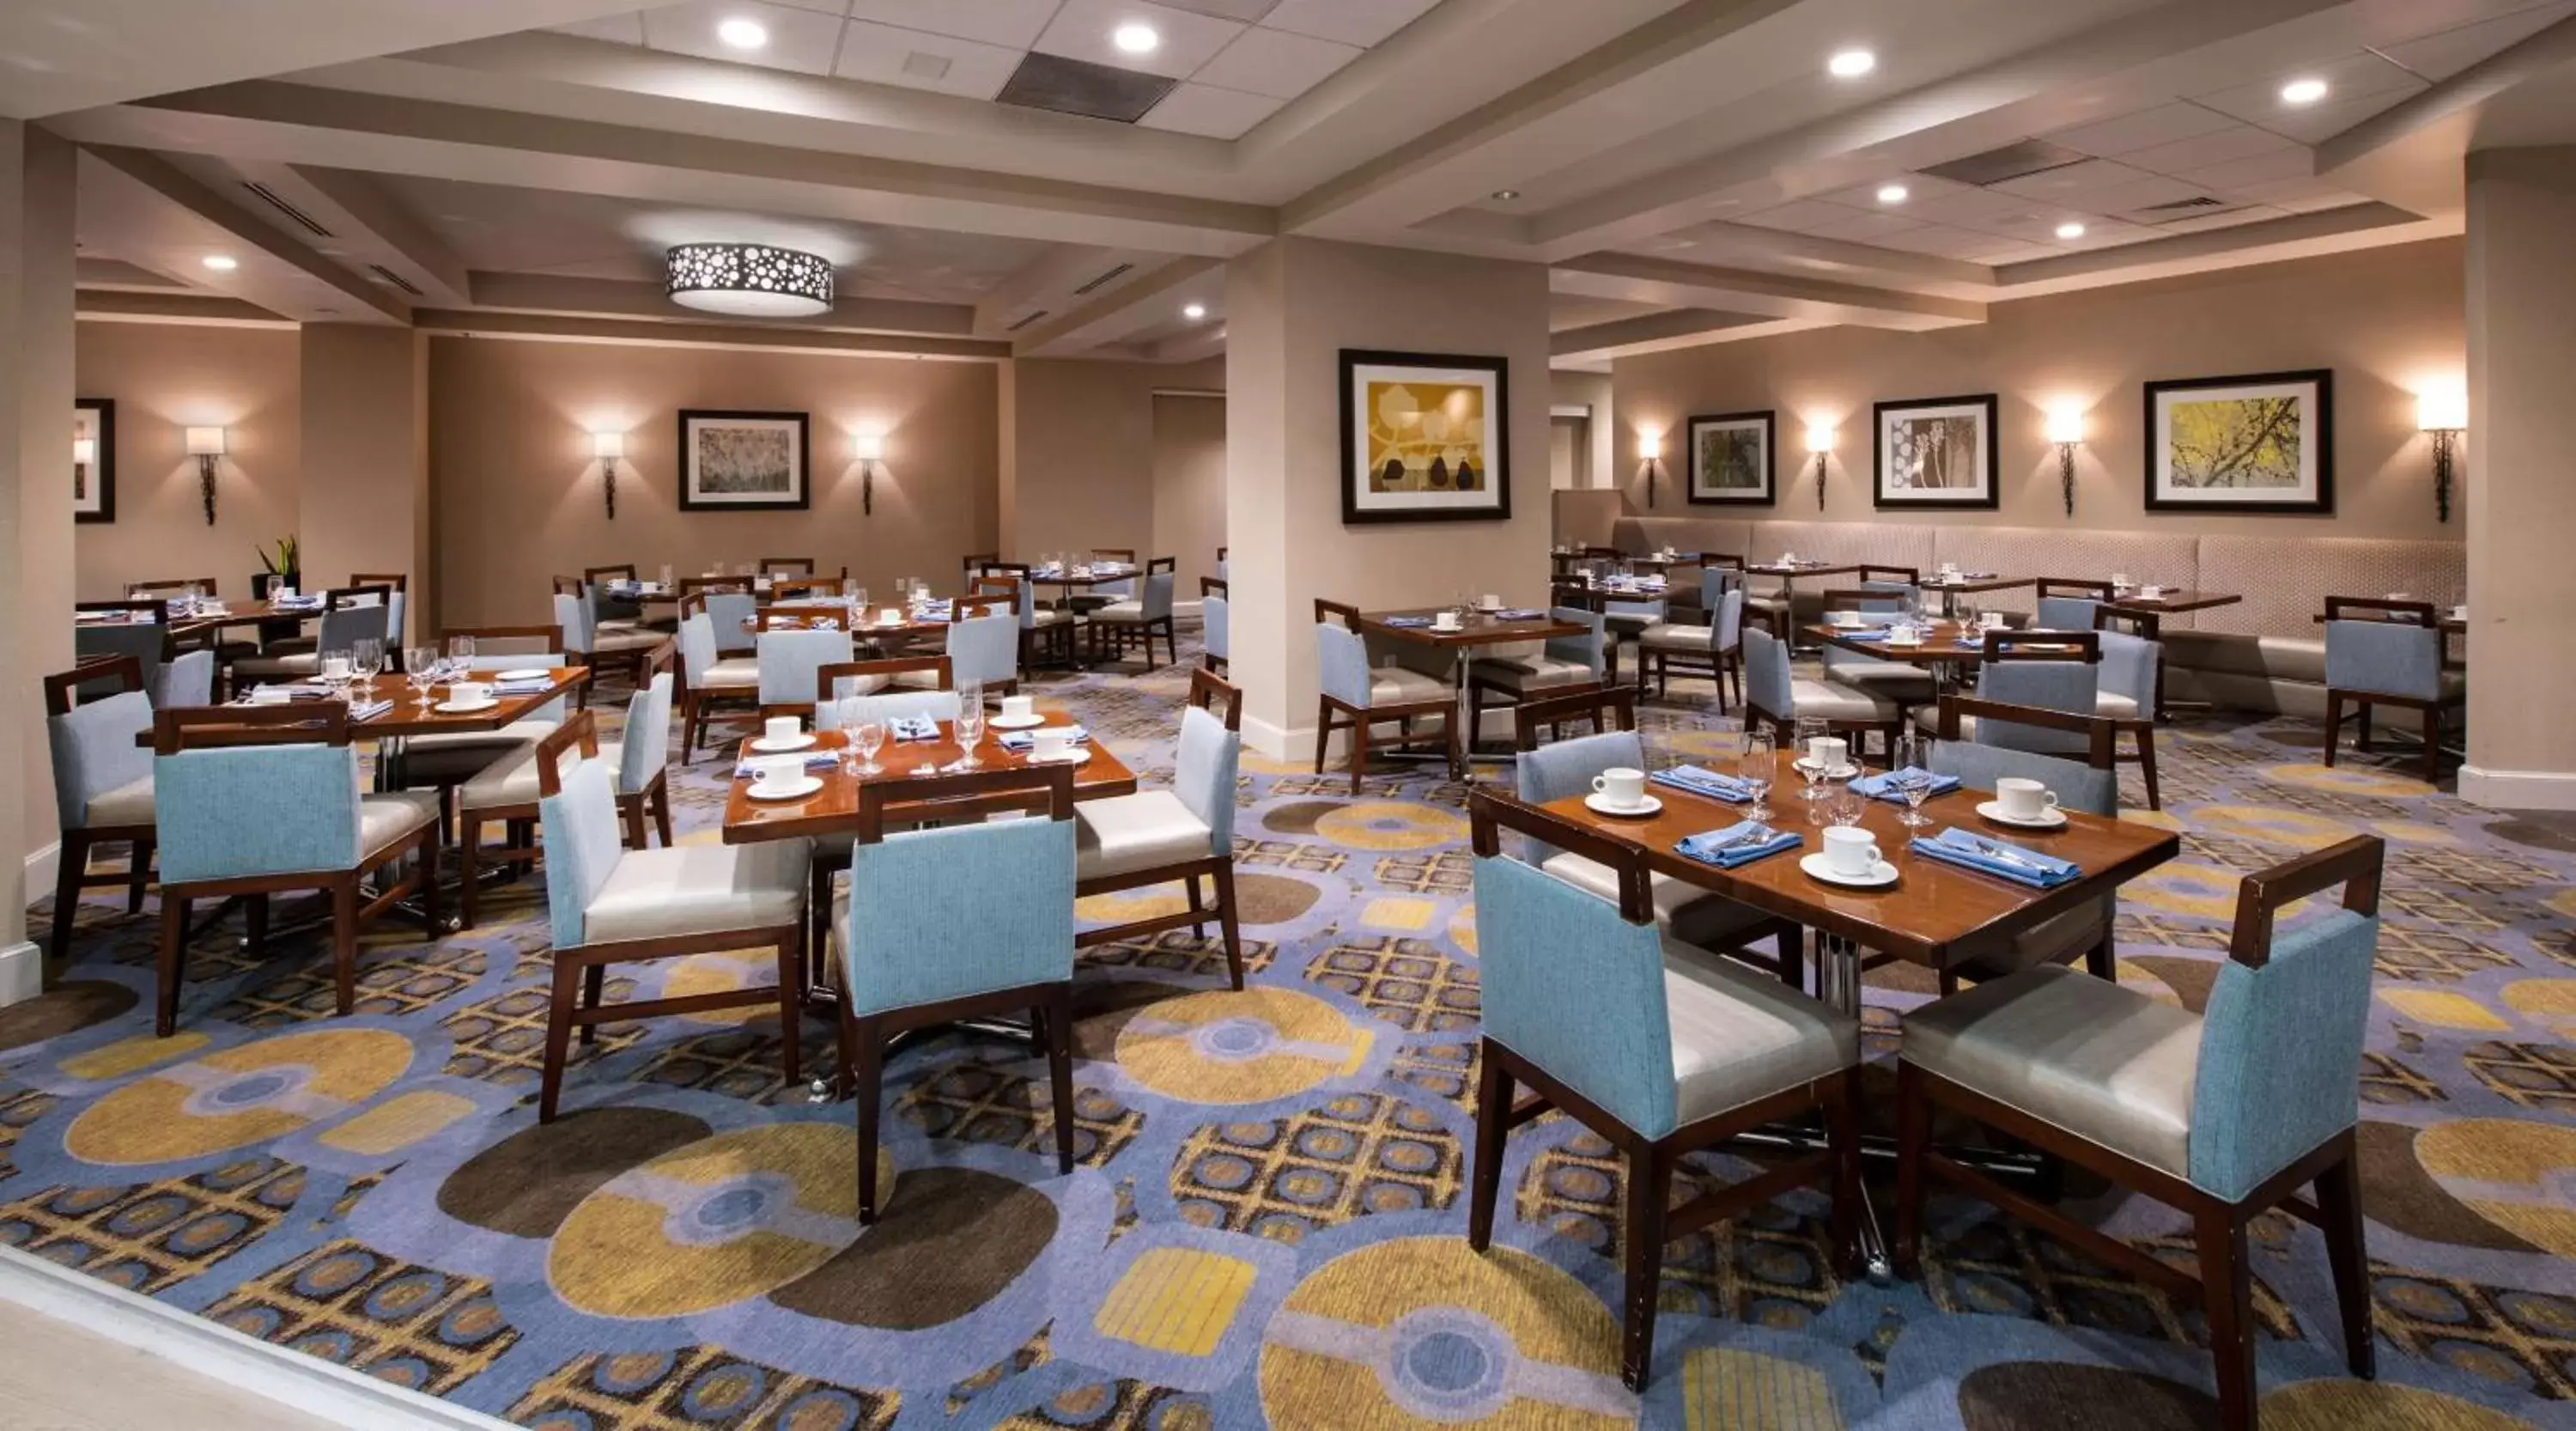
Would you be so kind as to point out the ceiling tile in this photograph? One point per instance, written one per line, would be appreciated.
(2145, 129)
(1796, 216)
(1918, 189)
(2321, 122)
(1015, 23)
(1207, 110)
(627, 29)
(2300, 196)
(2292, 163)
(2354, 76)
(1353, 22)
(1864, 228)
(1081, 31)
(1275, 63)
(2232, 219)
(2241, 141)
(2146, 193)
(2440, 56)
(1965, 205)
(799, 40)
(1247, 11)
(834, 8)
(1070, 86)
(883, 54)
(2073, 181)
(1941, 241)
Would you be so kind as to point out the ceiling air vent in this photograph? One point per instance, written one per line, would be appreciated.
(2013, 161)
(1032, 318)
(2200, 207)
(396, 279)
(1080, 87)
(1111, 276)
(302, 219)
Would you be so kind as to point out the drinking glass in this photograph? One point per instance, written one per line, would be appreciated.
(970, 733)
(870, 735)
(1807, 732)
(347, 663)
(1843, 805)
(1754, 767)
(420, 666)
(666, 576)
(460, 654)
(1912, 777)
(366, 662)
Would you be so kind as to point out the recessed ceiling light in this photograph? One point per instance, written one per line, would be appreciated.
(743, 34)
(2303, 91)
(1507, 195)
(222, 262)
(1194, 312)
(2070, 230)
(1136, 39)
(1851, 64)
(1893, 193)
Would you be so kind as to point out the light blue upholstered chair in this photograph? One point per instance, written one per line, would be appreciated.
(2087, 783)
(262, 800)
(1124, 624)
(729, 616)
(2068, 603)
(1714, 650)
(590, 642)
(788, 661)
(985, 650)
(147, 642)
(1902, 682)
(1365, 696)
(102, 783)
(1775, 694)
(2392, 654)
(507, 793)
(397, 590)
(1682, 910)
(1216, 630)
(949, 923)
(715, 681)
(865, 691)
(2053, 670)
(2127, 694)
(608, 904)
(1562, 663)
(354, 615)
(1655, 1046)
(2224, 1115)
(1184, 834)
(187, 679)
(446, 761)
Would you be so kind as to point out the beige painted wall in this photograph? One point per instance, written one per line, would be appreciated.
(365, 497)
(165, 378)
(1081, 436)
(1291, 307)
(1599, 393)
(518, 494)
(1189, 485)
(2388, 321)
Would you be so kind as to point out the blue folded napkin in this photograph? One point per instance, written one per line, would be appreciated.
(2000, 858)
(913, 728)
(1699, 781)
(1020, 740)
(816, 760)
(1519, 613)
(1408, 623)
(1882, 786)
(1739, 844)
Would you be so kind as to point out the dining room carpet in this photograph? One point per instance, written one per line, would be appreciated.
(1267, 1223)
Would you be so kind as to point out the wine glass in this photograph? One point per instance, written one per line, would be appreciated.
(970, 732)
(366, 662)
(460, 654)
(420, 666)
(1843, 804)
(1807, 732)
(1912, 777)
(1754, 766)
(870, 736)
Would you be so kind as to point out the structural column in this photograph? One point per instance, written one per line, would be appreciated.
(365, 504)
(36, 199)
(2520, 496)
(1292, 307)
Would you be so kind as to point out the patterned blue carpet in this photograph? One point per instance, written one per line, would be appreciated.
(1267, 1224)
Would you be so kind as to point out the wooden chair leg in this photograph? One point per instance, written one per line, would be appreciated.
(1650, 1177)
(633, 811)
(2361, 727)
(138, 873)
(70, 864)
(791, 1007)
(1323, 733)
(2227, 1283)
(867, 1083)
(2101, 962)
(1359, 750)
(170, 966)
(2432, 745)
(2339, 1209)
(469, 869)
(1842, 1132)
(568, 977)
(594, 992)
(1792, 945)
(431, 899)
(2334, 725)
(1913, 1141)
(1059, 1042)
(1493, 1125)
(1198, 905)
(662, 810)
(1227, 923)
(344, 943)
(2146, 736)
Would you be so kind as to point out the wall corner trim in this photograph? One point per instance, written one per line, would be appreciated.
(2518, 789)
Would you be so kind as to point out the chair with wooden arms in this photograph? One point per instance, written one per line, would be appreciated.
(2392, 653)
(1216, 615)
(611, 905)
(588, 642)
(1183, 834)
(985, 649)
(2131, 684)
(445, 760)
(2056, 670)
(716, 682)
(1107, 593)
(1604, 708)
(1776, 697)
(1367, 697)
(2088, 783)
(142, 636)
(102, 783)
(571, 586)
(262, 800)
(1902, 682)
(1046, 632)
(1560, 665)
(804, 588)
(953, 922)
(2224, 1115)
(1715, 650)
(788, 661)
(1221, 558)
(1124, 624)
(351, 614)
(397, 609)
(2065, 603)
(1658, 1048)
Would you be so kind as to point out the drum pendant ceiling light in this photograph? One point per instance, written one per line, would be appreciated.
(750, 280)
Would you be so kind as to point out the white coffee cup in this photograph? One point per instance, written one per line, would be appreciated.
(1992, 621)
(782, 729)
(1620, 787)
(1843, 618)
(1019, 707)
(1850, 850)
(1827, 752)
(1052, 742)
(2024, 799)
(2151, 591)
(1949, 568)
(891, 616)
(335, 668)
(281, 593)
(1489, 602)
(771, 774)
(1445, 621)
(469, 693)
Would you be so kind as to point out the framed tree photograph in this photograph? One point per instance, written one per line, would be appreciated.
(1731, 458)
(1426, 437)
(743, 461)
(94, 460)
(1936, 452)
(2260, 442)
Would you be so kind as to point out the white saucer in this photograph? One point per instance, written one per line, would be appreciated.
(461, 708)
(782, 747)
(1026, 722)
(1075, 756)
(530, 673)
(1845, 772)
(1647, 805)
(1994, 810)
(796, 789)
(1879, 878)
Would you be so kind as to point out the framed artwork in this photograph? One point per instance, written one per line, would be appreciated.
(743, 461)
(1730, 458)
(94, 481)
(1936, 452)
(2262, 442)
(1426, 437)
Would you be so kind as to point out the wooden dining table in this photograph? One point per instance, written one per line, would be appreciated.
(1941, 651)
(834, 809)
(1480, 628)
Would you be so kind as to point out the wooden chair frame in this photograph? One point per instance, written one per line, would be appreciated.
(1873, 571)
(1208, 693)
(71, 864)
(571, 586)
(1046, 791)
(213, 727)
(1112, 640)
(1218, 697)
(2102, 736)
(1214, 586)
(783, 587)
(2413, 613)
(2224, 1285)
(1360, 719)
(1607, 708)
(580, 976)
(1657, 666)
(2142, 729)
(2084, 588)
(1651, 1222)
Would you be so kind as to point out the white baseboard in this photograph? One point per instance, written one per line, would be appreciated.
(1279, 742)
(315, 1387)
(22, 972)
(2518, 789)
(40, 870)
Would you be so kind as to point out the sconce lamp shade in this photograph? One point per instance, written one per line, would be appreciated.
(2442, 410)
(868, 446)
(1650, 443)
(2065, 425)
(205, 442)
(84, 450)
(1820, 438)
(608, 444)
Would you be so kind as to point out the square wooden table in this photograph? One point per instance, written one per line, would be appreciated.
(834, 809)
(1971, 584)
(408, 718)
(1939, 652)
(1478, 629)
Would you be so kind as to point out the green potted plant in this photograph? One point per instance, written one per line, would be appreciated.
(279, 566)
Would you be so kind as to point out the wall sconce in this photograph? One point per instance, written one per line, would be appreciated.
(206, 444)
(869, 448)
(1820, 441)
(1650, 446)
(2444, 414)
(2066, 429)
(608, 447)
